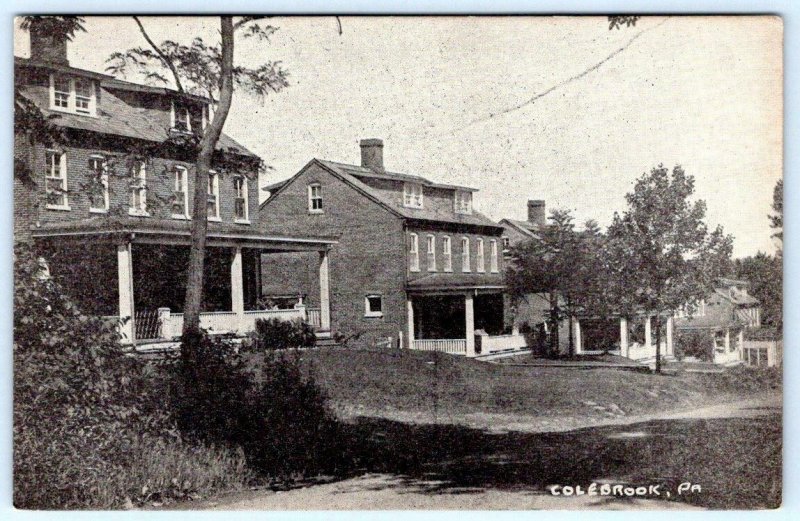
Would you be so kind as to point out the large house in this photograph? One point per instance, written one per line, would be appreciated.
(110, 201)
(415, 265)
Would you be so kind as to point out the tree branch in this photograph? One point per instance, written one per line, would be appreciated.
(164, 59)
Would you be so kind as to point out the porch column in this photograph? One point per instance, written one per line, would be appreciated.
(410, 321)
(648, 342)
(740, 347)
(727, 340)
(125, 280)
(623, 338)
(469, 314)
(237, 287)
(324, 292)
(576, 335)
(670, 350)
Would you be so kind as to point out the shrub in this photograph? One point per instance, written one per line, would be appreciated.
(80, 403)
(272, 334)
(294, 430)
(698, 344)
(281, 420)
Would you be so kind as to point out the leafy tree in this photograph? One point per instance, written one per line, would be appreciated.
(765, 275)
(776, 220)
(207, 70)
(661, 253)
(564, 263)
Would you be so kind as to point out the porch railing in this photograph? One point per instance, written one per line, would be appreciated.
(453, 346)
(146, 325)
(494, 344)
(171, 324)
(314, 317)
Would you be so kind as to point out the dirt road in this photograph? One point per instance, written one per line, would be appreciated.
(441, 488)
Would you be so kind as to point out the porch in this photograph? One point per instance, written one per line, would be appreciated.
(632, 338)
(137, 275)
(467, 323)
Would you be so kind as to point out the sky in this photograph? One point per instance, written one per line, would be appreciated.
(555, 108)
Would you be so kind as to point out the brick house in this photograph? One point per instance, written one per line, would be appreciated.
(414, 266)
(110, 204)
(722, 318)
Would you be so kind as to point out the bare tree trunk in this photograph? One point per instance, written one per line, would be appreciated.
(571, 349)
(194, 283)
(554, 323)
(658, 344)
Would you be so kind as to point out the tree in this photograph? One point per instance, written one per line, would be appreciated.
(564, 263)
(776, 219)
(661, 253)
(207, 70)
(765, 275)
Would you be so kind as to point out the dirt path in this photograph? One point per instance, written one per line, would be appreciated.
(499, 423)
(393, 492)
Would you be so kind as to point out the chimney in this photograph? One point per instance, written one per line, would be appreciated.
(46, 46)
(372, 154)
(536, 212)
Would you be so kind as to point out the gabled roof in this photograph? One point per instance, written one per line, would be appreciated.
(360, 171)
(344, 173)
(114, 115)
(524, 227)
(737, 297)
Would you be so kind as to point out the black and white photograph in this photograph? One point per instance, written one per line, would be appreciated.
(354, 263)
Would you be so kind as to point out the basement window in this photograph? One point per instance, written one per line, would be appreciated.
(374, 306)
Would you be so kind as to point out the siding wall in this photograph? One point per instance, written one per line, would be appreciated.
(369, 258)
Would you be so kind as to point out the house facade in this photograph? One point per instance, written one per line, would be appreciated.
(414, 266)
(110, 202)
(721, 318)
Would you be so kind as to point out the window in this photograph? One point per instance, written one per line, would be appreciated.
(431, 245)
(213, 196)
(412, 195)
(465, 255)
(241, 212)
(180, 203)
(373, 305)
(463, 201)
(447, 254)
(493, 265)
(138, 188)
(506, 243)
(84, 94)
(180, 119)
(55, 180)
(413, 253)
(75, 95)
(315, 198)
(480, 265)
(98, 189)
(62, 92)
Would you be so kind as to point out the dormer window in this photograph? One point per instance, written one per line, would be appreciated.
(180, 117)
(76, 95)
(463, 202)
(412, 195)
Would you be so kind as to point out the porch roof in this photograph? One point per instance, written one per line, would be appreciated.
(173, 231)
(456, 281)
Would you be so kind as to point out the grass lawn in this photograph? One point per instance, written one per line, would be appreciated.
(372, 382)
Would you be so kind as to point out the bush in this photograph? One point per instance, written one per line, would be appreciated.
(295, 432)
(80, 403)
(281, 420)
(91, 424)
(699, 344)
(273, 333)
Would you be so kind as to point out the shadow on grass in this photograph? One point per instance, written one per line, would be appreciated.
(736, 461)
